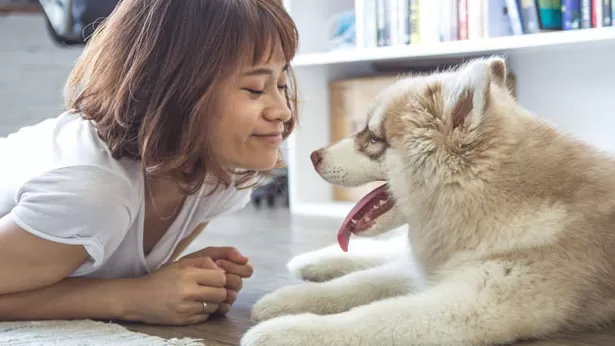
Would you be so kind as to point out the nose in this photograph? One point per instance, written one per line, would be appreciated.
(316, 158)
(278, 110)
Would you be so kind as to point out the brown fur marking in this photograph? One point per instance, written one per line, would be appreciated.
(462, 109)
(370, 144)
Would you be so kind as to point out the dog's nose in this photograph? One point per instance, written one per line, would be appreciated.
(316, 157)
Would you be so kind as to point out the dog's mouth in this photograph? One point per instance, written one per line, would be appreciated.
(364, 214)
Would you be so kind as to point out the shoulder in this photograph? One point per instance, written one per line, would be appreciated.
(65, 145)
(83, 192)
(78, 205)
(86, 183)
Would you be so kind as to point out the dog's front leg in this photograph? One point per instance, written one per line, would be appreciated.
(331, 262)
(479, 306)
(338, 295)
(364, 252)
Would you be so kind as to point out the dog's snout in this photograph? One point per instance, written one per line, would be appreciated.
(316, 157)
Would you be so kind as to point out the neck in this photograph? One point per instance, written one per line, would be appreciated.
(164, 197)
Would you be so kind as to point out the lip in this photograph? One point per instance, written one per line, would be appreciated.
(273, 138)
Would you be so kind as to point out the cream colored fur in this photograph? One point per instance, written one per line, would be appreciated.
(510, 227)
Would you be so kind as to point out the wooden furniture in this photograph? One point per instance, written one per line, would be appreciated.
(4, 9)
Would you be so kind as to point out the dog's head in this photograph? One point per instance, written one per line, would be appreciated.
(422, 132)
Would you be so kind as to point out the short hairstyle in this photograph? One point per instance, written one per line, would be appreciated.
(148, 75)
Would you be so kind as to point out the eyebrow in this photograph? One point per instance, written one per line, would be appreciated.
(263, 71)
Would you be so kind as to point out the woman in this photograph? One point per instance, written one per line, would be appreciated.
(175, 109)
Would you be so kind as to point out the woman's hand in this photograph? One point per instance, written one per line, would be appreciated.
(175, 293)
(236, 267)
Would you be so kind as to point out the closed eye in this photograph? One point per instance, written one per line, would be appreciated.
(255, 92)
(261, 92)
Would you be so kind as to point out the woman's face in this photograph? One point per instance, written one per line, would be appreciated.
(252, 110)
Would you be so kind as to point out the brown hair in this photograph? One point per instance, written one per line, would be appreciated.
(148, 74)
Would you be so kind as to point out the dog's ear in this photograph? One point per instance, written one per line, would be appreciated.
(471, 92)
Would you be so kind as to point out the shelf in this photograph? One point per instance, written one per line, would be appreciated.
(457, 48)
(329, 209)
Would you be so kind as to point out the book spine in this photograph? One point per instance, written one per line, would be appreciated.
(529, 16)
(462, 19)
(607, 19)
(550, 14)
(571, 14)
(512, 9)
(414, 21)
(586, 11)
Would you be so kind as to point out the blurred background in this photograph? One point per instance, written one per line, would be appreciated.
(560, 54)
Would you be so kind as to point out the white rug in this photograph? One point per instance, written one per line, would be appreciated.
(80, 333)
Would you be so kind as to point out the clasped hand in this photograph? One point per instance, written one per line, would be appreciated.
(175, 293)
(235, 266)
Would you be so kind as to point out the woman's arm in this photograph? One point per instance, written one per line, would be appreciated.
(72, 299)
(29, 262)
(34, 285)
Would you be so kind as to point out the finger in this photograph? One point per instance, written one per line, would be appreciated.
(223, 309)
(243, 270)
(208, 294)
(197, 308)
(225, 252)
(199, 262)
(231, 297)
(233, 282)
(208, 277)
(196, 319)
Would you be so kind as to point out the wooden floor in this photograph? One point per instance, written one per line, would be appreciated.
(270, 238)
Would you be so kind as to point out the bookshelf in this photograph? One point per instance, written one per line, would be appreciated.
(565, 76)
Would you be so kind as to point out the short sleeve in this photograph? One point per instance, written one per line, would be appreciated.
(77, 205)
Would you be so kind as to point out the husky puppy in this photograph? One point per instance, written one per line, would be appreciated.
(511, 226)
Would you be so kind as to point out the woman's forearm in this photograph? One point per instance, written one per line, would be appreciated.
(72, 299)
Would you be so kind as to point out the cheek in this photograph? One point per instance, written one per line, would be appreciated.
(237, 121)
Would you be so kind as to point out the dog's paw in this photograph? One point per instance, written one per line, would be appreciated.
(288, 300)
(308, 297)
(283, 331)
(318, 266)
(298, 330)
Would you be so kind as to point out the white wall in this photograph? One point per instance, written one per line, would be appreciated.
(572, 88)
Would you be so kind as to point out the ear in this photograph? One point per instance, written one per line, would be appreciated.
(471, 92)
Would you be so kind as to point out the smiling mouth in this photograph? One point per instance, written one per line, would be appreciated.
(274, 138)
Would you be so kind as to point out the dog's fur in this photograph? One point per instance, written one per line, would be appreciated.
(510, 223)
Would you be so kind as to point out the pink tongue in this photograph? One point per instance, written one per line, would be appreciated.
(343, 238)
(344, 233)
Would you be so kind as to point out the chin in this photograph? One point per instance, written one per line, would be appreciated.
(264, 164)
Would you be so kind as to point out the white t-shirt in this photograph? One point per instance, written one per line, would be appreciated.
(58, 181)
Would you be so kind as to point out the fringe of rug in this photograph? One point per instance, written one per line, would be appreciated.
(80, 333)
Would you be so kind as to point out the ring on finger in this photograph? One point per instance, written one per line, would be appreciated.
(204, 306)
